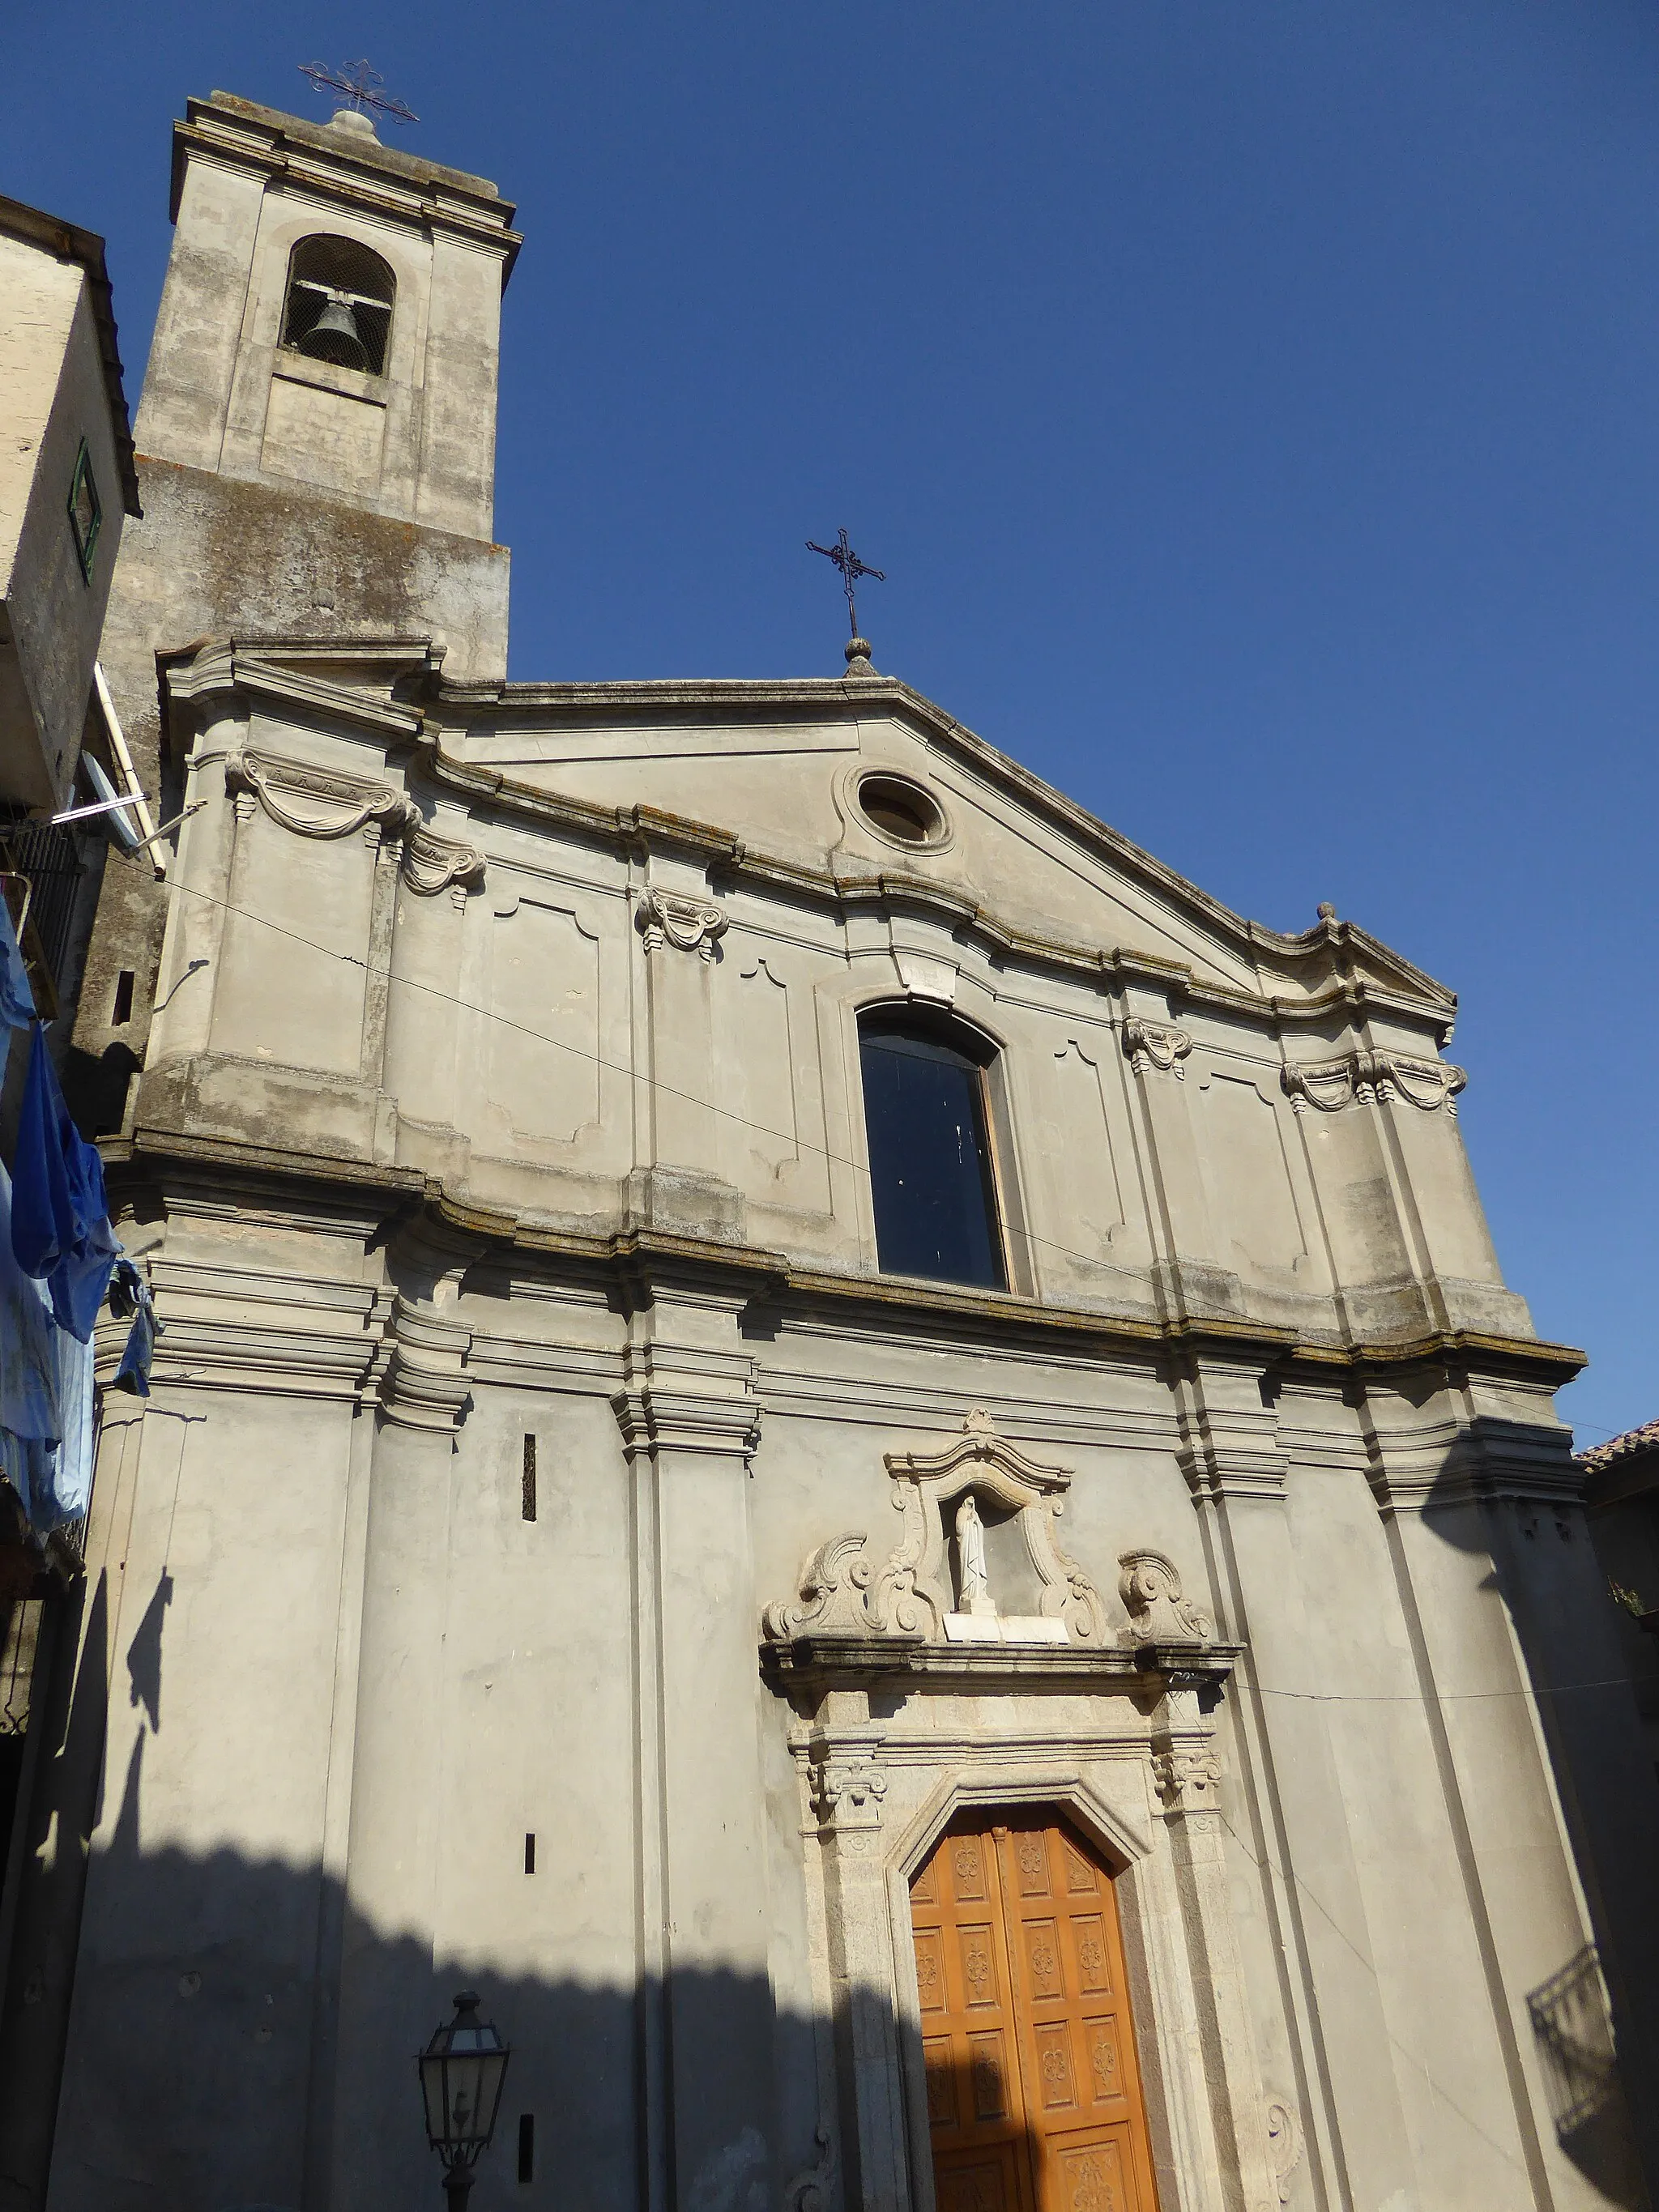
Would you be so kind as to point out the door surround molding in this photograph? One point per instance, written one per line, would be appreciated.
(883, 1774)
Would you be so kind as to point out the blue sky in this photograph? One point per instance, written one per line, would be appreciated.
(1256, 412)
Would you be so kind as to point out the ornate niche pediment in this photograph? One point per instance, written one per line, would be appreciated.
(936, 1586)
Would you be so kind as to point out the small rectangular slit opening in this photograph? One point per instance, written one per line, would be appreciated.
(122, 1014)
(527, 1504)
(530, 1851)
(526, 2146)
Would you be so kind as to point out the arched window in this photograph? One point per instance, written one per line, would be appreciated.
(931, 1170)
(339, 303)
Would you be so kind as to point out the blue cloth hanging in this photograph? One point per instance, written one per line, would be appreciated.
(17, 998)
(60, 1230)
(128, 1293)
(46, 1414)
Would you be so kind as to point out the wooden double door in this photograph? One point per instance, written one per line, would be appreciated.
(1033, 2101)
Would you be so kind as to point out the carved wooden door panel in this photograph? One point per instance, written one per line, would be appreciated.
(1034, 2099)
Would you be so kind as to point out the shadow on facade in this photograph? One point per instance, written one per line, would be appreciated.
(228, 2036)
(1594, 2023)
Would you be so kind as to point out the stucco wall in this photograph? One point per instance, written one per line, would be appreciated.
(53, 393)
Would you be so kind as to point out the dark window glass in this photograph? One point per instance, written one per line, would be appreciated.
(930, 1162)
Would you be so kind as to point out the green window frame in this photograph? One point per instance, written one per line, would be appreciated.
(86, 511)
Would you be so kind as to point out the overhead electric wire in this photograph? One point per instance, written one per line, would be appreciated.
(632, 1075)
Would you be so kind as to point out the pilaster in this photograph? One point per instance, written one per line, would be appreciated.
(690, 1423)
(1298, 1822)
(845, 1790)
(1535, 1732)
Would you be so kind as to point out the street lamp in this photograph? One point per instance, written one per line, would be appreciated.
(462, 2071)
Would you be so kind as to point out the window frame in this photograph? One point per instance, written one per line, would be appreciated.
(86, 549)
(946, 1025)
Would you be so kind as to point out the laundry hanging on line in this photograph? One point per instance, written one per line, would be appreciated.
(60, 1230)
(128, 1293)
(16, 996)
(46, 1413)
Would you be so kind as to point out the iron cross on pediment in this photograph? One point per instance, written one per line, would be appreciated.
(851, 570)
(358, 86)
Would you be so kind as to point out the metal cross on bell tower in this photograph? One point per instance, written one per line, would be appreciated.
(358, 86)
(851, 570)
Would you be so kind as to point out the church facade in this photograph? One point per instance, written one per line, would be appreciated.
(815, 1426)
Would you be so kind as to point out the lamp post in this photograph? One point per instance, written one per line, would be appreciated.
(462, 2071)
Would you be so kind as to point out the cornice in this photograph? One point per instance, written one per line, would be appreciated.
(637, 1261)
(643, 832)
(841, 1661)
(1336, 940)
(265, 667)
(378, 180)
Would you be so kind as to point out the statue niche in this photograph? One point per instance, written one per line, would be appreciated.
(943, 1582)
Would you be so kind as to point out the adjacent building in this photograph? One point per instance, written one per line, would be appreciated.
(817, 1425)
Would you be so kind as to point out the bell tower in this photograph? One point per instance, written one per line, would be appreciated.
(316, 438)
(330, 324)
(316, 452)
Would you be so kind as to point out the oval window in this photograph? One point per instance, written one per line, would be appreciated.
(900, 809)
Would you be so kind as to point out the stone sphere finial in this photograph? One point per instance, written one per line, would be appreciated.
(1327, 911)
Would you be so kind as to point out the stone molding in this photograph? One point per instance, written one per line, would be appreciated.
(324, 804)
(425, 1384)
(843, 1591)
(653, 1418)
(1372, 1079)
(1156, 1045)
(688, 925)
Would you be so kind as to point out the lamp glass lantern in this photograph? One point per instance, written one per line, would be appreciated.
(462, 2072)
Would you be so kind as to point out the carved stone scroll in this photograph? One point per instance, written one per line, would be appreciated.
(688, 925)
(1370, 1079)
(1284, 2144)
(1150, 1586)
(830, 1601)
(1155, 1045)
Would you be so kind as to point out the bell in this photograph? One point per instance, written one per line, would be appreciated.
(333, 337)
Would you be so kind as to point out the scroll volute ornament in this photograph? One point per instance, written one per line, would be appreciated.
(1156, 1045)
(688, 925)
(1150, 1586)
(1372, 1079)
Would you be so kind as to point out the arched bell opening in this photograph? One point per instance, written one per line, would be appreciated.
(339, 303)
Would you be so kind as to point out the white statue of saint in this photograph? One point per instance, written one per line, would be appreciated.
(974, 1595)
